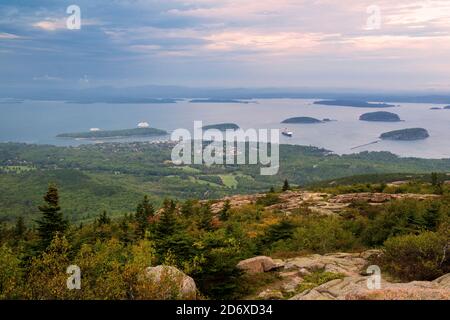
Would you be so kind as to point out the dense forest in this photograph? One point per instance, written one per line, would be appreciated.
(113, 253)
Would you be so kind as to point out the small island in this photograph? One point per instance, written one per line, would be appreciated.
(353, 103)
(302, 120)
(380, 116)
(447, 107)
(436, 108)
(218, 101)
(221, 126)
(406, 134)
(126, 133)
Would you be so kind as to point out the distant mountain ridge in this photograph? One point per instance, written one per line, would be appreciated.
(142, 94)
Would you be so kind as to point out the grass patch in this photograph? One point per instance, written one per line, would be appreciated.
(187, 169)
(229, 181)
(17, 169)
(314, 280)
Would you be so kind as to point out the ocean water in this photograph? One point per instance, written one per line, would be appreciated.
(40, 121)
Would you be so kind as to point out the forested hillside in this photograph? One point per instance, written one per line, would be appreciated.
(113, 176)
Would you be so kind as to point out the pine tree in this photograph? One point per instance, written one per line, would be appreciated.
(286, 186)
(52, 221)
(124, 235)
(187, 208)
(144, 212)
(434, 179)
(167, 223)
(103, 219)
(205, 222)
(225, 212)
(20, 228)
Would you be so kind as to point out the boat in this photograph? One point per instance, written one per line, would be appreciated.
(287, 133)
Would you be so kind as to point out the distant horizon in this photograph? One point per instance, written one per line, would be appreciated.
(380, 47)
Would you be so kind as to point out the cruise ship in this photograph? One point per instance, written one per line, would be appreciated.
(287, 133)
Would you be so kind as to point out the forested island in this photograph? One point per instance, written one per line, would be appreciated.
(221, 126)
(136, 132)
(302, 120)
(447, 107)
(380, 116)
(353, 103)
(406, 134)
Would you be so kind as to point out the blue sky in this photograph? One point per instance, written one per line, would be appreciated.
(228, 43)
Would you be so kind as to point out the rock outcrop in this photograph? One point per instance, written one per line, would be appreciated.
(356, 288)
(258, 265)
(319, 203)
(177, 284)
(377, 197)
(353, 281)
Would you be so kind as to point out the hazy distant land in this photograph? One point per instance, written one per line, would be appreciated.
(218, 101)
(221, 126)
(137, 132)
(353, 103)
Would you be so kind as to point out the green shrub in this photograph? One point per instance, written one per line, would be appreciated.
(268, 200)
(322, 236)
(417, 257)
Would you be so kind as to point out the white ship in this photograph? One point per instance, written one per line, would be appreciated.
(287, 133)
(143, 124)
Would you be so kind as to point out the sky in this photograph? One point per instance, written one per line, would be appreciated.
(375, 45)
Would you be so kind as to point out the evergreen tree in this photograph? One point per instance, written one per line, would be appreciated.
(187, 208)
(169, 235)
(103, 219)
(167, 223)
(225, 212)
(437, 183)
(124, 228)
(286, 186)
(434, 179)
(20, 228)
(205, 221)
(144, 212)
(272, 190)
(52, 221)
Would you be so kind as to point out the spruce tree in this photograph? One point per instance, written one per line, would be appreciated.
(20, 228)
(286, 186)
(52, 221)
(167, 223)
(225, 212)
(103, 219)
(144, 212)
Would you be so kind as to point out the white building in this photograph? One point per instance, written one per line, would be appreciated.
(143, 125)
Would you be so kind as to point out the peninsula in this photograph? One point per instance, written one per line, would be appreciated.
(125, 133)
(406, 134)
(353, 103)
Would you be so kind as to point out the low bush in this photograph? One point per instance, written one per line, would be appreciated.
(417, 257)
